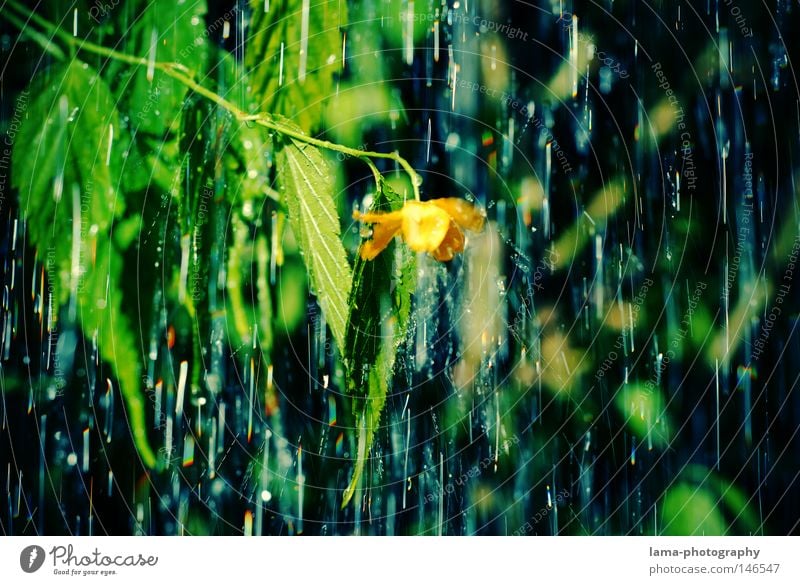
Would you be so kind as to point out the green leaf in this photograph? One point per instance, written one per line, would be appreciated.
(379, 310)
(167, 32)
(263, 294)
(200, 129)
(292, 74)
(248, 150)
(738, 505)
(68, 184)
(290, 306)
(370, 307)
(729, 497)
(306, 186)
(150, 164)
(688, 510)
(60, 164)
(248, 255)
(248, 161)
(645, 413)
(101, 312)
(703, 502)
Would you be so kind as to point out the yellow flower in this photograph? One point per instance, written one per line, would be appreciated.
(427, 226)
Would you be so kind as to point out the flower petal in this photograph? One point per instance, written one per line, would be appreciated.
(379, 216)
(464, 213)
(385, 227)
(452, 244)
(425, 226)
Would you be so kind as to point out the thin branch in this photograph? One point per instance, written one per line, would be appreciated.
(182, 74)
(37, 37)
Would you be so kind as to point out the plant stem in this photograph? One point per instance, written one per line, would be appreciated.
(363, 154)
(182, 74)
(36, 36)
